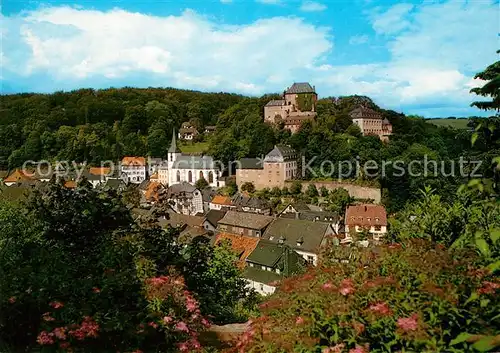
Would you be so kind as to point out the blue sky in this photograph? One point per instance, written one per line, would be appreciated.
(417, 57)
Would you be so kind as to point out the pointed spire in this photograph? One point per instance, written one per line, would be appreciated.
(173, 145)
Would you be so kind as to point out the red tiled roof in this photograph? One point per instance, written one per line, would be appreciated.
(99, 170)
(243, 245)
(139, 161)
(222, 200)
(17, 175)
(366, 215)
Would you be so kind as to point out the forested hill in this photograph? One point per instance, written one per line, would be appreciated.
(98, 125)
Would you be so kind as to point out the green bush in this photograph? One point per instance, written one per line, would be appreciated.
(415, 297)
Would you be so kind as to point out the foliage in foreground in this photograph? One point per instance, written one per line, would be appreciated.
(76, 272)
(415, 297)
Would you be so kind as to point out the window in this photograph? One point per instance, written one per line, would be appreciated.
(201, 175)
(210, 178)
(263, 267)
(178, 176)
(310, 259)
(378, 228)
(190, 177)
(251, 264)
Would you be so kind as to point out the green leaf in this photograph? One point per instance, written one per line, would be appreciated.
(494, 266)
(485, 344)
(474, 138)
(472, 297)
(464, 336)
(473, 182)
(495, 235)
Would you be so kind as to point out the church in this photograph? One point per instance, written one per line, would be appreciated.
(181, 168)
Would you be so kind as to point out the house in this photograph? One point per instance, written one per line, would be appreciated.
(191, 227)
(366, 218)
(303, 212)
(151, 191)
(186, 168)
(249, 224)
(269, 263)
(221, 201)
(153, 165)
(212, 218)
(188, 132)
(305, 237)
(100, 171)
(298, 104)
(18, 177)
(208, 194)
(185, 198)
(241, 244)
(113, 184)
(245, 203)
(209, 129)
(133, 169)
(278, 166)
(370, 122)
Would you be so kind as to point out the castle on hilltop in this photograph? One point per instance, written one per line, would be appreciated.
(298, 105)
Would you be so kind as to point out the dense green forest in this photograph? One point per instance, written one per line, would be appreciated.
(97, 125)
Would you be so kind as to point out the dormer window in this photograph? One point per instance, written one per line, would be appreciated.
(300, 241)
(281, 240)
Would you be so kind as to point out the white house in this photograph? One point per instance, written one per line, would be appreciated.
(366, 217)
(184, 198)
(133, 169)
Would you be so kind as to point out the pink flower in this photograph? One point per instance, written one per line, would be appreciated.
(158, 281)
(153, 324)
(195, 344)
(60, 333)
(381, 308)
(205, 322)
(56, 305)
(96, 290)
(335, 349)
(12, 300)
(167, 320)
(358, 349)
(191, 304)
(327, 286)
(137, 351)
(47, 317)
(45, 338)
(346, 286)
(89, 327)
(181, 326)
(299, 320)
(64, 345)
(409, 323)
(78, 334)
(183, 347)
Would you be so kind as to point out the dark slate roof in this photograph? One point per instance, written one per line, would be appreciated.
(241, 200)
(194, 162)
(365, 113)
(173, 145)
(214, 216)
(293, 230)
(114, 184)
(275, 103)
(266, 253)
(178, 220)
(281, 153)
(181, 188)
(246, 220)
(250, 163)
(300, 87)
(319, 216)
(208, 193)
(261, 276)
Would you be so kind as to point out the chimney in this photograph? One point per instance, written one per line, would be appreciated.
(366, 208)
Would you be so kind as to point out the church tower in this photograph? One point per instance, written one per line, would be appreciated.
(172, 154)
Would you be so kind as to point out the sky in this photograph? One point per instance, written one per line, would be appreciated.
(415, 57)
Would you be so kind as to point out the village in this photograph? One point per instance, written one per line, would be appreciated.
(190, 192)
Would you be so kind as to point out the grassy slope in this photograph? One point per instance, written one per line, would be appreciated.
(193, 147)
(460, 124)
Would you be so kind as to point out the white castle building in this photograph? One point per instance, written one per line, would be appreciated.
(181, 168)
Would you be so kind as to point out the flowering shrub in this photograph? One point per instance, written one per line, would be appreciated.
(410, 298)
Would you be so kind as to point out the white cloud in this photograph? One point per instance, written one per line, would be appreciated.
(312, 6)
(393, 20)
(433, 52)
(187, 51)
(359, 39)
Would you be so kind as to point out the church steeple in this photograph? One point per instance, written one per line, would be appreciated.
(173, 145)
